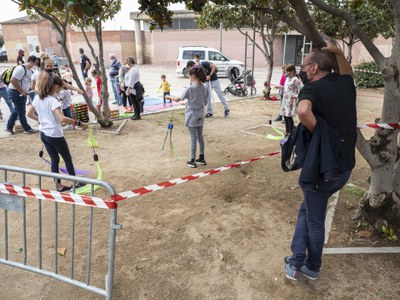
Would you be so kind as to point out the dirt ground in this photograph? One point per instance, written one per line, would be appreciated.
(220, 237)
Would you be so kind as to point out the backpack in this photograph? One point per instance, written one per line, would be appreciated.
(139, 90)
(7, 74)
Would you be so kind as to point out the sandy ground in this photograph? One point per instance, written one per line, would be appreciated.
(220, 237)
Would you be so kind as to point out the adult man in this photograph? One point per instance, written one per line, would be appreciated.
(18, 91)
(327, 98)
(36, 53)
(85, 63)
(114, 71)
(212, 83)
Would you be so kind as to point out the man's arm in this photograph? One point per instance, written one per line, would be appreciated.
(213, 70)
(344, 66)
(306, 116)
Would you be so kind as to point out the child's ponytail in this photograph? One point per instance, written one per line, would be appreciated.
(199, 72)
(47, 83)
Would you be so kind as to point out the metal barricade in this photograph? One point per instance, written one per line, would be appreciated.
(13, 197)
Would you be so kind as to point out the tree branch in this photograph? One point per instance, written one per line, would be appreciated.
(367, 42)
(364, 149)
(309, 27)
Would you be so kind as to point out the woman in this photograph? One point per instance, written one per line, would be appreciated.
(50, 117)
(131, 79)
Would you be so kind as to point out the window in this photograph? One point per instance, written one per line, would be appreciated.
(217, 56)
(189, 54)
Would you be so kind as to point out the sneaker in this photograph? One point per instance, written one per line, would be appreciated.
(115, 102)
(136, 118)
(279, 118)
(11, 131)
(226, 113)
(31, 131)
(209, 115)
(201, 162)
(64, 189)
(191, 164)
(306, 272)
(79, 185)
(291, 272)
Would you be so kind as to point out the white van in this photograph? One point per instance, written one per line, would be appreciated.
(223, 62)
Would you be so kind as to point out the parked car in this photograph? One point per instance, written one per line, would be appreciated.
(224, 64)
(3, 56)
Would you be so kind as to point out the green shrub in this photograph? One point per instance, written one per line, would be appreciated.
(365, 77)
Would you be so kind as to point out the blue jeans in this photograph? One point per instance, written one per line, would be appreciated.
(309, 235)
(115, 88)
(4, 94)
(19, 110)
(164, 99)
(84, 74)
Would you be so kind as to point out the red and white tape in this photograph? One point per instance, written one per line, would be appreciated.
(49, 195)
(162, 185)
(379, 125)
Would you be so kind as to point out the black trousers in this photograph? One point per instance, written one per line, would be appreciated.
(136, 105)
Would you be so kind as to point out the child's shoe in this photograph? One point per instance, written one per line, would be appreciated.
(201, 161)
(191, 163)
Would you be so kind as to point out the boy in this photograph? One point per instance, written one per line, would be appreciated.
(165, 86)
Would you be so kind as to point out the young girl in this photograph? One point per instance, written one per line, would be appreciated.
(66, 100)
(123, 74)
(50, 117)
(289, 101)
(196, 94)
(165, 86)
(99, 102)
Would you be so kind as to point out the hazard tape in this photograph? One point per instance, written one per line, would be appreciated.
(379, 125)
(54, 196)
(83, 200)
(162, 185)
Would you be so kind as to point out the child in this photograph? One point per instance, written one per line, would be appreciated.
(292, 88)
(66, 100)
(123, 74)
(89, 92)
(165, 86)
(196, 94)
(99, 102)
(281, 89)
(50, 118)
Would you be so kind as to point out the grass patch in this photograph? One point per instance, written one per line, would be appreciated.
(354, 191)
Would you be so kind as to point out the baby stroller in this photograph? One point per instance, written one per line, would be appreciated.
(239, 84)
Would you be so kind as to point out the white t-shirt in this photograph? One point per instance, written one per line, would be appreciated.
(24, 79)
(49, 123)
(132, 77)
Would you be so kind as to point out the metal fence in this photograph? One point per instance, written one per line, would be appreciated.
(14, 197)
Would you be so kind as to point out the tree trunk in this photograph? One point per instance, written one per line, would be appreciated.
(381, 204)
(104, 87)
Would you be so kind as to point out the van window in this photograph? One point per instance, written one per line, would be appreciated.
(189, 54)
(217, 56)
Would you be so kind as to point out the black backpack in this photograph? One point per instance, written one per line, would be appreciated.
(139, 88)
